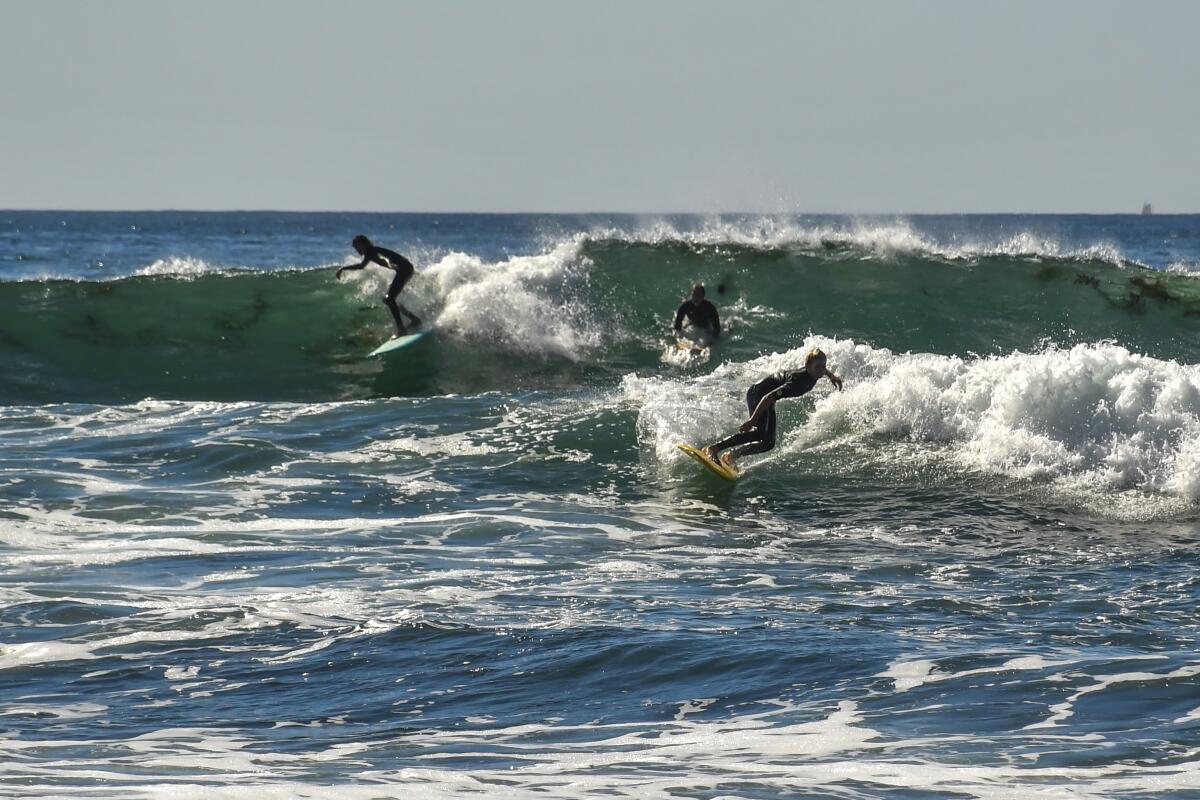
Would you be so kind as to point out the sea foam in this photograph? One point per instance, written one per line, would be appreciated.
(528, 304)
(1094, 418)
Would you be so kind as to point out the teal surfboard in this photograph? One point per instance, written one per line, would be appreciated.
(398, 343)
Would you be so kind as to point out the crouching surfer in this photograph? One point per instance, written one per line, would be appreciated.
(757, 434)
(391, 260)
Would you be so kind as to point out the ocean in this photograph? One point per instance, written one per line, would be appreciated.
(240, 559)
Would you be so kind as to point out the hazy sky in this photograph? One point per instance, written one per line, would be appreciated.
(889, 106)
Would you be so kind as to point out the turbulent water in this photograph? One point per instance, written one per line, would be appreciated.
(238, 558)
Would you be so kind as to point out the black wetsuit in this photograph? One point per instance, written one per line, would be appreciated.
(404, 272)
(762, 438)
(703, 315)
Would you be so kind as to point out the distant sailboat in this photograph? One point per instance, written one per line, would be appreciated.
(1147, 210)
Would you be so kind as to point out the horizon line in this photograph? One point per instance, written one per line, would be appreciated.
(174, 210)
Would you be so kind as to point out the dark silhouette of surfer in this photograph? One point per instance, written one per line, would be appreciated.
(700, 313)
(394, 261)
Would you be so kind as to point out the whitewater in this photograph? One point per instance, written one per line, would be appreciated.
(238, 558)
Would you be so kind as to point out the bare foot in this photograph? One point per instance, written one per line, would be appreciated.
(727, 460)
(708, 453)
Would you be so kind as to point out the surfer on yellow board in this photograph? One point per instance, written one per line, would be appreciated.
(757, 434)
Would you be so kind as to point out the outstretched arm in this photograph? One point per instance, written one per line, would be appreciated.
(716, 324)
(351, 268)
(834, 379)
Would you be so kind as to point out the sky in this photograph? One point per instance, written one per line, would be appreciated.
(795, 106)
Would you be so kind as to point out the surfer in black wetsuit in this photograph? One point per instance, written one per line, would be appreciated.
(757, 434)
(394, 261)
(700, 313)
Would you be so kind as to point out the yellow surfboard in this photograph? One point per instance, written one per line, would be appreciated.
(729, 474)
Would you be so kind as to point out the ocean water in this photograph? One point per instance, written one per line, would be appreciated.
(239, 559)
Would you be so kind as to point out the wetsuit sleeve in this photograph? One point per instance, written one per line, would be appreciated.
(679, 316)
(716, 318)
(351, 267)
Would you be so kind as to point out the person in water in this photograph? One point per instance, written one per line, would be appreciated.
(394, 261)
(700, 313)
(757, 434)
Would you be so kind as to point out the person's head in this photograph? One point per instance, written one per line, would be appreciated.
(362, 245)
(815, 362)
(697, 293)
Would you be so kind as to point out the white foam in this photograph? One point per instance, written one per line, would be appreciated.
(179, 266)
(453, 444)
(910, 674)
(693, 707)
(21, 655)
(1094, 417)
(1190, 269)
(1092, 420)
(882, 238)
(678, 357)
(907, 675)
(181, 673)
(528, 304)
(768, 753)
(42, 548)
(71, 711)
(1064, 710)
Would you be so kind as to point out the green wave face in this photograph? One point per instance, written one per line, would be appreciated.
(270, 335)
(584, 313)
(919, 303)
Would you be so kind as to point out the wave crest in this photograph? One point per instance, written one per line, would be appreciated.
(528, 304)
(882, 239)
(179, 266)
